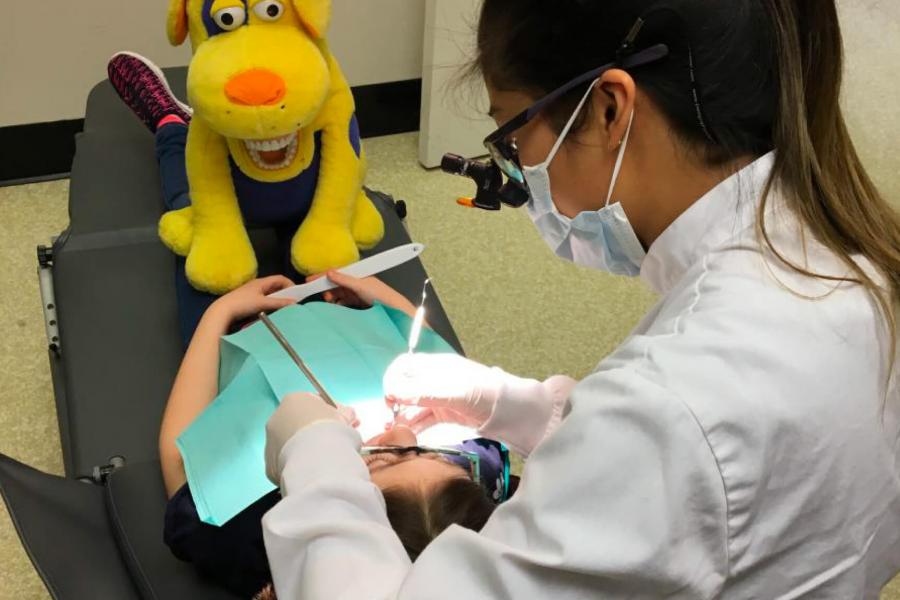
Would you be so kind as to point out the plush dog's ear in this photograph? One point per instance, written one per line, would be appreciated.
(315, 14)
(177, 26)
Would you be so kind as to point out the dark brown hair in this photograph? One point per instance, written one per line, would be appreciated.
(743, 78)
(419, 518)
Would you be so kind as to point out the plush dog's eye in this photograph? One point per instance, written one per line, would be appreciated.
(269, 10)
(230, 19)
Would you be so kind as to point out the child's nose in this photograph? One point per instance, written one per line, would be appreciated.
(256, 87)
(399, 435)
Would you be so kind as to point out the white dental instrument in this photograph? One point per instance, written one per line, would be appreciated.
(364, 268)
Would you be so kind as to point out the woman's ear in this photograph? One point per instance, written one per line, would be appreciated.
(617, 96)
(315, 16)
(177, 25)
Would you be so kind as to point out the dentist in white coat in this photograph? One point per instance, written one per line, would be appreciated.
(743, 441)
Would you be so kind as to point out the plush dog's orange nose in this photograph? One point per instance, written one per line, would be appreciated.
(256, 87)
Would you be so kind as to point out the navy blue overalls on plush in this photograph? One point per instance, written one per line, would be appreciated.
(282, 206)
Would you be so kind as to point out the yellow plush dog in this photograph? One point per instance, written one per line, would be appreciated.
(273, 122)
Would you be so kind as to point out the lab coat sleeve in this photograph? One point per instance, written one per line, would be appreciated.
(527, 411)
(331, 525)
(623, 500)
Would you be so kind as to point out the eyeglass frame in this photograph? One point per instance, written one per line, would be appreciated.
(505, 152)
(473, 458)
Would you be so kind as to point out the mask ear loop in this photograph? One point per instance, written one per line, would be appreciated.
(618, 167)
(565, 132)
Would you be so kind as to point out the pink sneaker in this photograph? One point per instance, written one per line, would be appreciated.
(143, 87)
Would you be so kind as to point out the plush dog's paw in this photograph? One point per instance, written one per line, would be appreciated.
(318, 248)
(367, 226)
(176, 230)
(221, 261)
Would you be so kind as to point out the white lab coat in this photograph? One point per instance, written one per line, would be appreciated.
(741, 443)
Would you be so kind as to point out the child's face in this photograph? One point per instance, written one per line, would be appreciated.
(416, 473)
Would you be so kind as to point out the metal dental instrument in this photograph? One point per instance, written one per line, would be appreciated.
(416, 332)
(296, 358)
(419, 321)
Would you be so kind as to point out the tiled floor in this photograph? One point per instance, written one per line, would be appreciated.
(565, 318)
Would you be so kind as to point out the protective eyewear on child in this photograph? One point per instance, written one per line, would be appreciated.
(448, 453)
(451, 455)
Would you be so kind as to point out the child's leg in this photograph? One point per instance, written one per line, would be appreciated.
(284, 234)
(191, 303)
(143, 87)
(170, 144)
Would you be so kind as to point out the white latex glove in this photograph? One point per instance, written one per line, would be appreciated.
(457, 389)
(447, 388)
(296, 412)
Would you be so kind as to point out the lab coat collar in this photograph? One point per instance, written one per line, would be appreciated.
(723, 213)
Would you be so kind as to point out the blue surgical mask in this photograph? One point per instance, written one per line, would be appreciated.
(603, 239)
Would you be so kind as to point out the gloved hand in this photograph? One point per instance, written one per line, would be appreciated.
(456, 389)
(451, 389)
(296, 412)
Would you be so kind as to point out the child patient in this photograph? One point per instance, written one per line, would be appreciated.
(424, 492)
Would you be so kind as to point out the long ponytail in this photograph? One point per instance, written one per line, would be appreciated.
(768, 73)
(817, 166)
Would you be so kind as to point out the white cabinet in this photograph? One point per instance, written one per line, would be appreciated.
(454, 113)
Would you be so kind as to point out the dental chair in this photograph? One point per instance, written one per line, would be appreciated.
(108, 291)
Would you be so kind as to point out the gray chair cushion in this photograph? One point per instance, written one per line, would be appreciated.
(65, 529)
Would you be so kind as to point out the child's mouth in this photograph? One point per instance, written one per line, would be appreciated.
(273, 154)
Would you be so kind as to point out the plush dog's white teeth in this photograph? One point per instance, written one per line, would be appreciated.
(254, 147)
(271, 145)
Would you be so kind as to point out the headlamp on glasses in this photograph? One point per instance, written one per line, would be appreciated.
(501, 145)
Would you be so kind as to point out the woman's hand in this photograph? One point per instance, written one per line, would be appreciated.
(363, 293)
(418, 420)
(450, 388)
(429, 389)
(296, 412)
(252, 298)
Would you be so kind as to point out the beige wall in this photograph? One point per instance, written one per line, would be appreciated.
(52, 52)
(872, 87)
